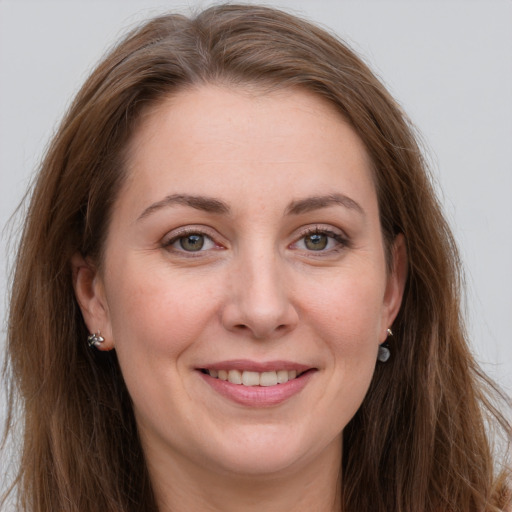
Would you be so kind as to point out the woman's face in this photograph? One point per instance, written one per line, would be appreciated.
(245, 245)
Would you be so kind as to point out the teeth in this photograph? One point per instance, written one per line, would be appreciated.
(268, 379)
(235, 377)
(282, 377)
(248, 378)
(251, 379)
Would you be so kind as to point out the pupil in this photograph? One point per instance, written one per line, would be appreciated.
(316, 242)
(192, 242)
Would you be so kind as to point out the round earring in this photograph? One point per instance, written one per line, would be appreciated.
(384, 352)
(95, 339)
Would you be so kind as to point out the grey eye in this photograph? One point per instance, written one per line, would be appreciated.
(191, 243)
(316, 241)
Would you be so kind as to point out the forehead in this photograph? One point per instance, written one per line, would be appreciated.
(220, 140)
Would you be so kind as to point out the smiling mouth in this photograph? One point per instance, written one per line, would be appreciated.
(250, 378)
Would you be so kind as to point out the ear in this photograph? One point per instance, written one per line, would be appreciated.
(395, 285)
(90, 294)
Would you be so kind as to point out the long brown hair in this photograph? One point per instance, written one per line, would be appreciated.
(421, 439)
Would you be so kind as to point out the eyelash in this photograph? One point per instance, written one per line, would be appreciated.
(183, 234)
(341, 241)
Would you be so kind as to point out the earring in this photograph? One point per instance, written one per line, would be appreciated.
(384, 352)
(95, 339)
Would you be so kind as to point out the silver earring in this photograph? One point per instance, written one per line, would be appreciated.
(384, 352)
(95, 339)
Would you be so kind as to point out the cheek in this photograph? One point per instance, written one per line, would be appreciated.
(152, 313)
(350, 325)
(349, 309)
(346, 323)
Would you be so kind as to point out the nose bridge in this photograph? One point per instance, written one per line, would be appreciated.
(260, 302)
(264, 290)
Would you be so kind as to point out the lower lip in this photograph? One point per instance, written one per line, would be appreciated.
(258, 396)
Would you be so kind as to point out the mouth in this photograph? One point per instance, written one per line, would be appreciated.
(257, 384)
(253, 378)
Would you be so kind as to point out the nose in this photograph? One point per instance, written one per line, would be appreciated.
(259, 304)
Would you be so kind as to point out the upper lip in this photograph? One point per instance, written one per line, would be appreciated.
(256, 366)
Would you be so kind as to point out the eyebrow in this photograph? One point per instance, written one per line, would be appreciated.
(309, 204)
(206, 204)
(211, 205)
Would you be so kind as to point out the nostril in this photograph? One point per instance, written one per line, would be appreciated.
(257, 319)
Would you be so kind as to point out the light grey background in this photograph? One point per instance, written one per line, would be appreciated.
(449, 63)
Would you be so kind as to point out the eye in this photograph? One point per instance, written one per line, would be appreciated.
(316, 241)
(320, 240)
(190, 242)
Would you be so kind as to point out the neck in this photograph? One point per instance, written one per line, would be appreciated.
(315, 486)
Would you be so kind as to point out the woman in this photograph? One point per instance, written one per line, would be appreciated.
(236, 291)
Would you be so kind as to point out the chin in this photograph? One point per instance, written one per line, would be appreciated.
(266, 451)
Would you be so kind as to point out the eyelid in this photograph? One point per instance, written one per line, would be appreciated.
(336, 234)
(173, 236)
(332, 232)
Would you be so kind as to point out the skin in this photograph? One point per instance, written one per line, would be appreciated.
(258, 290)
